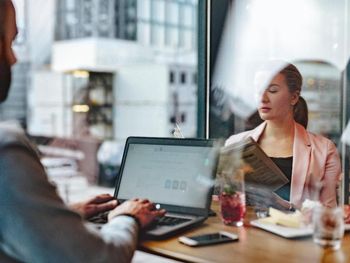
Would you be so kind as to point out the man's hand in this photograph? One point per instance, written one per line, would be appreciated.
(94, 206)
(142, 209)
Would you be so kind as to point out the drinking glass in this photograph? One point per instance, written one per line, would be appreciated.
(328, 226)
(232, 200)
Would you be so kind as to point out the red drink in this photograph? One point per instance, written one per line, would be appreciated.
(232, 208)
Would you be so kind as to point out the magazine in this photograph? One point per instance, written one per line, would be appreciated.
(261, 175)
(262, 170)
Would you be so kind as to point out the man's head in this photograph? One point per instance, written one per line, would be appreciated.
(8, 32)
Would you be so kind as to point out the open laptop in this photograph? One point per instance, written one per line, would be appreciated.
(175, 174)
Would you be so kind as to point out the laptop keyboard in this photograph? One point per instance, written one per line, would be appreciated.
(170, 221)
(161, 221)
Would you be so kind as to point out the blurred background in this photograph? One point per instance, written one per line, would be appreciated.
(93, 72)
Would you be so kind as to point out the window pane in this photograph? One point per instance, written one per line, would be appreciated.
(187, 16)
(144, 9)
(157, 35)
(158, 10)
(172, 37)
(251, 43)
(144, 33)
(172, 13)
(113, 68)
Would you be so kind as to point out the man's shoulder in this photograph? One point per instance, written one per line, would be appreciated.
(10, 136)
(13, 137)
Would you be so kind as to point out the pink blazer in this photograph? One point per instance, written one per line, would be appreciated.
(315, 160)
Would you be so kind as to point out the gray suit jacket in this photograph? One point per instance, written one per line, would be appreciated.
(36, 226)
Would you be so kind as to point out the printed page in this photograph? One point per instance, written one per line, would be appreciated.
(262, 170)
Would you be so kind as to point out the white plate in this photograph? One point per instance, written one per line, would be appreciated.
(287, 232)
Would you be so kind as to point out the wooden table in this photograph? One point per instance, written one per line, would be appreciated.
(254, 245)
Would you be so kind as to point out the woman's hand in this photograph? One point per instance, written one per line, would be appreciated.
(98, 204)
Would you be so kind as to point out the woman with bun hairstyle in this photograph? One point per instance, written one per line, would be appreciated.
(305, 158)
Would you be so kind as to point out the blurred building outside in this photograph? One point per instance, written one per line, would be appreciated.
(105, 68)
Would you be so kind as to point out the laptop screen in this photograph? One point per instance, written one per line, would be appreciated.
(178, 175)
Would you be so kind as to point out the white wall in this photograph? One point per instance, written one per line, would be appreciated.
(137, 120)
(97, 54)
(50, 88)
(146, 83)
(50, 121)
(49, 104)
(40, 30)
(142, 101)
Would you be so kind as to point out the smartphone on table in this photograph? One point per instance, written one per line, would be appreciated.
(208, 239)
